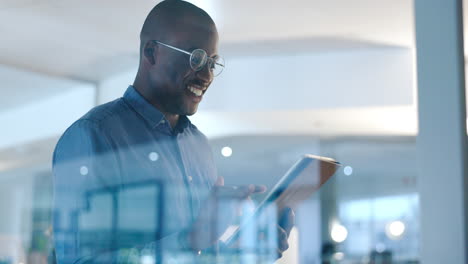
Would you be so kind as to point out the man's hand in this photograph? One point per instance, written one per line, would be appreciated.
(274, 249)
(285, 225)
(211, 224)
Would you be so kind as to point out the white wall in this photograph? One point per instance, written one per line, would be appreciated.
(362, 91)
(45, 118)
(36, 106)
(115, 86)
(355, 78)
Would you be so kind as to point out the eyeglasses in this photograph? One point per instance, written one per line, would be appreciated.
(199, 58)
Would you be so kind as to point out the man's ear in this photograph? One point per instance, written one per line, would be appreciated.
(149, 51)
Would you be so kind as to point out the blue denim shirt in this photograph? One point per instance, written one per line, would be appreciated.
(124, 178)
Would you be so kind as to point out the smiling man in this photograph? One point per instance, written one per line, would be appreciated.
(178, 58)
(145, 140)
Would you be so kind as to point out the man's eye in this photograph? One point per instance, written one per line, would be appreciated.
(212, 64)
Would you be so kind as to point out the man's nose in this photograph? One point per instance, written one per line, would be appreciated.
(205, 74)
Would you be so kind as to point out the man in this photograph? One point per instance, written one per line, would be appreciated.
(145, 139)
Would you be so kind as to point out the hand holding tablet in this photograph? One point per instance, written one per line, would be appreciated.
(303, 179)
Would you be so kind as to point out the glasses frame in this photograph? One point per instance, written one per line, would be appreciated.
(209, 60)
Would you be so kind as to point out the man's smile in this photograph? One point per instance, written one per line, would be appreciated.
(197, 90)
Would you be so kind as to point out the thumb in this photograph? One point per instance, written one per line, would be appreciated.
(219, 181)
(287, 220)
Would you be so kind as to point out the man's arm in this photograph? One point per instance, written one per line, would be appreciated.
(85, 163)
(83, 160)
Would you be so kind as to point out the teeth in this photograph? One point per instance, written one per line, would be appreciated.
(196, 89)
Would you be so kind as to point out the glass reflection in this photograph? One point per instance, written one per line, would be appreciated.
(128, 217)
(150, 188)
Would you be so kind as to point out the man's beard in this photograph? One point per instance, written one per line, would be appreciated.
(175, 103)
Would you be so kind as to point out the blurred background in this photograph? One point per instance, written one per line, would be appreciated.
(328, 77)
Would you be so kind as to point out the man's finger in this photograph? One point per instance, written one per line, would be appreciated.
(279, 254)
(283, 244)
(250, 189)
(240, 192)
(219, 181)
(287, 220)
(260, 188)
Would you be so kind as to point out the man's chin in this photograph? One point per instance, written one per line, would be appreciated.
(189, 111)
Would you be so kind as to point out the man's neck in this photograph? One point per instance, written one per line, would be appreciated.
(172, 118)
(140, 87)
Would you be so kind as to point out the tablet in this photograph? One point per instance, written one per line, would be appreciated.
(303, 179)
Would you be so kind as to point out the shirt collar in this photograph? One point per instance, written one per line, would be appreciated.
(183, 123)
(150, 113)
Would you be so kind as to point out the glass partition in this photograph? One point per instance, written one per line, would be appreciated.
(183, 136)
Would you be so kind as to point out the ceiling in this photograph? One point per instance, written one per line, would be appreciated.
(90, 40)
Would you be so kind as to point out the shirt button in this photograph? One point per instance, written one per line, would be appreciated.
(190, 178)
(199, 252)
(163, 121)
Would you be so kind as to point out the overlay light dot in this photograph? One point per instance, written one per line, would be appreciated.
(84, 170)
(380, 247)
(226, 152)
(153, 156)
(395, 229)
(338, 256)
(147, 259)
(339, 233)
(348, 170)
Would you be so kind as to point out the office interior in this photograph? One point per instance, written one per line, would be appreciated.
(330, 78)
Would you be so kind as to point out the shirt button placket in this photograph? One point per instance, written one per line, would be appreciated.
(189, 178)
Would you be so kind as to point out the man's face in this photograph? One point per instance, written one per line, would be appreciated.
(172, 79)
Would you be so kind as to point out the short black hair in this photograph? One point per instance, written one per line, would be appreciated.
(166, 14)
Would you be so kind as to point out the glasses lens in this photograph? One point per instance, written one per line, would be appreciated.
(217, 65)
(198, 59)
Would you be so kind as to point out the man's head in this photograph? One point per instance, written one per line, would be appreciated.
(165, 77)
